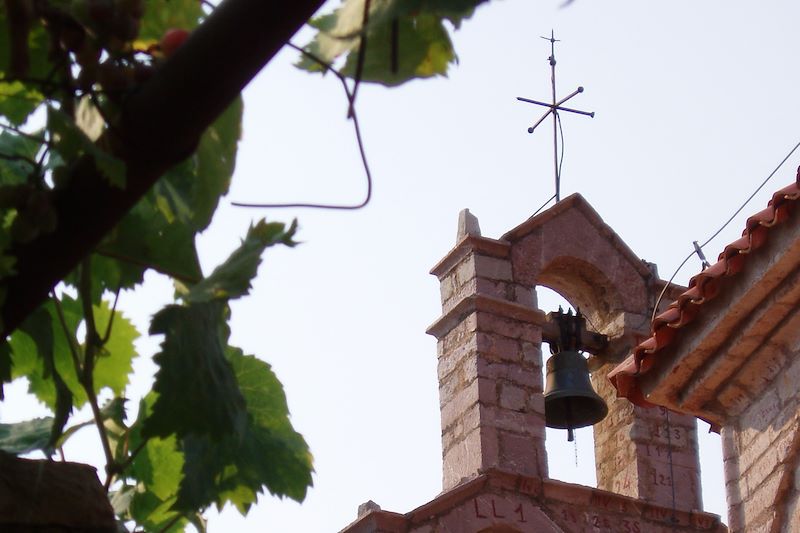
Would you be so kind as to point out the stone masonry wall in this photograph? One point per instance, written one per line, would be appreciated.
(633, 446)
(762, 459)
(489, 367)
(503, 502)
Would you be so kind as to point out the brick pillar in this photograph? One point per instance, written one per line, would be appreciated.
(632, 444)
(489, 350)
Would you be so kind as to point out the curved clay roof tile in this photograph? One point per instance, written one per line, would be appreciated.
(702, 288)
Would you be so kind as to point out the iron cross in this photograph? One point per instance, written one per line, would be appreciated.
(553, 109)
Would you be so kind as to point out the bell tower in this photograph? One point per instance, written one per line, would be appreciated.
(490, 360)
(492, 402)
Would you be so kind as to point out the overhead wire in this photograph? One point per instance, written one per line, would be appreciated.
(716, 233)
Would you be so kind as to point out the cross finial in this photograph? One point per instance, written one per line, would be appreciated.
(553, 109)
(553, 42)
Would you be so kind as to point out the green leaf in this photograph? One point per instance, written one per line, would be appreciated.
(16, 171)
(423, 46)
(115, 363)
(154, 514)
(71, 143)
(159, 16)
(197, 391)
(271, 455)
(146, 239)
(26, 437)
(32, 354)
(39, 327)
(406, 39)
(18, 100)
(232, 278)
(157, 469)
(190, 192)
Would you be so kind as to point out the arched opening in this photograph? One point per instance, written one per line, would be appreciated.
(585, 286)
(573, 462)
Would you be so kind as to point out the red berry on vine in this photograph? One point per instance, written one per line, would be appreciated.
(173, 38)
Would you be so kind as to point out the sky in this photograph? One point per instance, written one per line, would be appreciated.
(695, 105)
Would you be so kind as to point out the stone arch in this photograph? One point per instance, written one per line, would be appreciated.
(570, 249)
(584, 285)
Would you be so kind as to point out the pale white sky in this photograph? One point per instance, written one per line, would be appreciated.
(695, 105)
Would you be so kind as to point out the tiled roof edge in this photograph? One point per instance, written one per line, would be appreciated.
(703, 287)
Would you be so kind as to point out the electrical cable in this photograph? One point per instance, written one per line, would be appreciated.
(716, 233)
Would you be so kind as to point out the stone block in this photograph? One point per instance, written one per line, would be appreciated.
(489, 287)
(459, 403)
(514, 421)
(464, 271)
(765, 408)
(532, 353)
(513, 397)
(760, 504)
(450, 359)
(521, 454)
(535, 402)
(446, 288)
(787, 382)
(525, 295)
(498, 347)
(517, 374)
(493, 268)
(462, 460)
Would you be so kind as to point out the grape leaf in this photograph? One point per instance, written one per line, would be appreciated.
(157, 469)
(31, 353)
(197, 391)
(39, 326)
(190, 192)
(146, 239)
(155, 514)
(27, 436)
(40, 351)
(270, 455)
(115, 362)
(232, 278)
(406, 39)
(12, 144)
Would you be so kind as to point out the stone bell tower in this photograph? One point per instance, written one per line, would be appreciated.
(489, 336)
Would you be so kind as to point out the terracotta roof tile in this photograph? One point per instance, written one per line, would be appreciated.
(702, 287)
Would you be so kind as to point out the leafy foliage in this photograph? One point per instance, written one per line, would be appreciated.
(200, 437)
(25, 436)
(196, 389)
(269, 452)
(404, 39)
(215, 427)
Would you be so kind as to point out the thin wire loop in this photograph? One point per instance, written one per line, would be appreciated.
(351, 114)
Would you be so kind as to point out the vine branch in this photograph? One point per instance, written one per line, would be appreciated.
(352, 115)
(93, 343)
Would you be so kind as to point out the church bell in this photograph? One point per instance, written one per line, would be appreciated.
(570, 402)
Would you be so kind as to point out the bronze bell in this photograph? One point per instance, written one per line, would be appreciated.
(570, 402)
